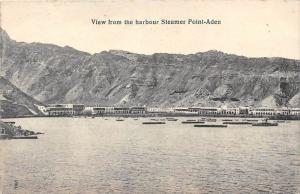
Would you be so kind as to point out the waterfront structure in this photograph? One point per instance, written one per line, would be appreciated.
(182, 110)
(64, 109)
(295, 112)
(154, 110)
(43, 109)
(140, 110)
(117, 110)
(80, 109)
(98, 110)
(121, 110)
(205, 110)
(263, 111)
(244, 110)
(109, 110)
(230, 111)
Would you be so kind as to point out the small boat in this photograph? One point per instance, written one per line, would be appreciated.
(252, 120)
(119, 119)
(192, 122)
(171, 119)
(24, 137)
(10, 122)
(135, 119)
(237, 123)
(153, 122)
(280, 121)
(93, 117)
(210, 125)
(227, 120)
(154, 119)
(264, 124)
(211, 120)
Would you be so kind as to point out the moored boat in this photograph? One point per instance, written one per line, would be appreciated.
(252, 120)
(280, 121)
(264, 124)
(153, 122)
(192, 122)
(119, 119)
(210, 125)
(211, 120)
(171, 119)
(24, 137)
(237, 123)
(227, 120)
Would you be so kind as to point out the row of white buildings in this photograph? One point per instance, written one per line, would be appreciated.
(80, 109)
(251, 111)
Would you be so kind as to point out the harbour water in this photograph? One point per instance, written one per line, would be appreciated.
(85, 155)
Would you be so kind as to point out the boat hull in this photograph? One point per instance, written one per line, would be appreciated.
(265, 124)
(237, 123)
(221, 126)
(192, 122)
(24, 137)
(153, 123)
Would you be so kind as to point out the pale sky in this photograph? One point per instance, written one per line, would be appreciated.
(249, 28)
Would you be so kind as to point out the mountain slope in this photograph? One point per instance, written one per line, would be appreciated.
(14, 102)
(56, 74)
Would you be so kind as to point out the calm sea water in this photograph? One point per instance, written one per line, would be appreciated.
(85, 155)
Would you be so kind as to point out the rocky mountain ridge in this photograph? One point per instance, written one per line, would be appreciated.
(14, 102)
(53, 74)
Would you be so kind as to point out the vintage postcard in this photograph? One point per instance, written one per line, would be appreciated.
(149, 96)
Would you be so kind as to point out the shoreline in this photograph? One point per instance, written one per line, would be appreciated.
(10, 131)
(279, 117)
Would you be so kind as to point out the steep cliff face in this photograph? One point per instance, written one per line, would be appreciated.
(53, 74)
(14, 102)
